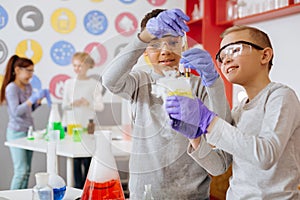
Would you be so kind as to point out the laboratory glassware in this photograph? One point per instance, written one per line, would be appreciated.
(42, 191)
(103, 180)
(54, 122)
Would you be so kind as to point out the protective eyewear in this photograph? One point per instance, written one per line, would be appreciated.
(172, 43)
(235, 49)
(29, 71)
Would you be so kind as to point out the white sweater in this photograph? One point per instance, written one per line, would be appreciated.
(89, 89)
(264, 143)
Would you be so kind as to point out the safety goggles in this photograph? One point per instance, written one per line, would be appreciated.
(170, 42)
(235, 49)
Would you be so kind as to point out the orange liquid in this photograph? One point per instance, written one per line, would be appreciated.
(105, 191)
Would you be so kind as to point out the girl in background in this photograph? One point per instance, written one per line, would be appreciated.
(16, 91)
(83, 96)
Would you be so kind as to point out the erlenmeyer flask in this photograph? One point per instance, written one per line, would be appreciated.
(103, 180)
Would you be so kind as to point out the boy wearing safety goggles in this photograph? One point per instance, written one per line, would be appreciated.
(265, 136)
(159, 154)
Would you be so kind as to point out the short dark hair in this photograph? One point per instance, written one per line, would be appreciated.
(150, 15)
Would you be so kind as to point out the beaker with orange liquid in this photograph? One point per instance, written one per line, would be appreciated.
(103, 180)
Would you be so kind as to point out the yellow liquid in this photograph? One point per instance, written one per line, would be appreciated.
(181, 93)
(70, 128)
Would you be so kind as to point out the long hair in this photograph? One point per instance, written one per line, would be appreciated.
(10, 74)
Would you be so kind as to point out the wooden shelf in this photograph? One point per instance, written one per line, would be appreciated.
(259, 17)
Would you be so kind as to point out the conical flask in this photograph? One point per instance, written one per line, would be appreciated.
(55, 181)
(103, 180)
(54, 121)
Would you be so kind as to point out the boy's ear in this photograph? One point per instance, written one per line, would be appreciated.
(267, 55)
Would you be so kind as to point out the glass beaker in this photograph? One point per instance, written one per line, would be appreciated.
(71, 122)
(103, 180)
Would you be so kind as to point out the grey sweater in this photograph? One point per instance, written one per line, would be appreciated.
(159, 154)
(20, 114)
(264, 143)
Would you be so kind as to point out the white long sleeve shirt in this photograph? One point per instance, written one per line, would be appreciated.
(91, 90)
(264, 143)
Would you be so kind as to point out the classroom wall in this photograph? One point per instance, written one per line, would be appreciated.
(50, 33)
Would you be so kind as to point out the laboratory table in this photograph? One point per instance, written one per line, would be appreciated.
(69, 149)
(26, 194)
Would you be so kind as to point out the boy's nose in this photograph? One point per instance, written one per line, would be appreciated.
(165, 49)
(227, 59)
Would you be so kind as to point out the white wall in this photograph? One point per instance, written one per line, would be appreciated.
(73, 31)
(285, 37)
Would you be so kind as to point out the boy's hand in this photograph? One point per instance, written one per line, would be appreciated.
(189, 116)
(201, 61)
(168, 22)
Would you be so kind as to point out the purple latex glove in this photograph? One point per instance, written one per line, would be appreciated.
(187, 130)
(48, 97)
(168, 22)
(191, 112)
(201, 61)
(39, 95)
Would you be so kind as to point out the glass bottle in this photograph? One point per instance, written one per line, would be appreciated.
(91, 126)
(42, 191)
(55, 181)
(148, 193)
(231, 6)
(103, 180)
(30, 133)
(54, 122)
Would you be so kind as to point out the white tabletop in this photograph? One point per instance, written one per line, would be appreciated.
(26, 194)
(68, 148)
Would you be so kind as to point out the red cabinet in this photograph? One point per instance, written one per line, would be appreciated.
(205, 31)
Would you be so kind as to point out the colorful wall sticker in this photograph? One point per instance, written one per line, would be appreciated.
(56, 86)
(126, 24)
(98, 52)
(3, 51)
(62, 52)
(30, 49)
(95, 22)
(30, 18)
(3, 17)
(63, 20)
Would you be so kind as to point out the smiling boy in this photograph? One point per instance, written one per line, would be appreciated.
(158, 154)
